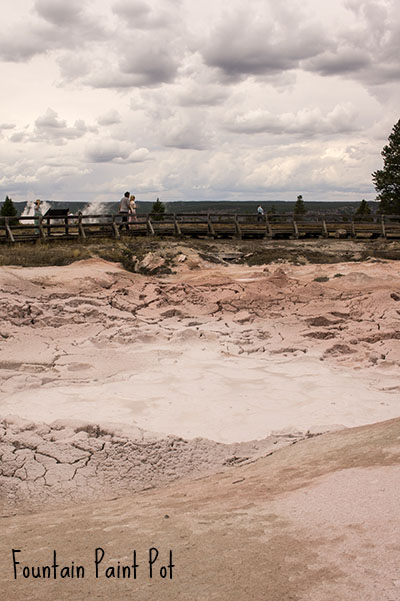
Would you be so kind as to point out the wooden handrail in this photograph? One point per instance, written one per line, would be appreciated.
(83, 226)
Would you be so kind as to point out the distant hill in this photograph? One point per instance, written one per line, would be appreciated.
(212, 206)
(250, 206)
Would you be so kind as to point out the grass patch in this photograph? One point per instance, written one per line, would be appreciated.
(38, 255)
(321, 278)
(41, 254)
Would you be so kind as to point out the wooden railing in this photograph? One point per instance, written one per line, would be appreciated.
(81, 226)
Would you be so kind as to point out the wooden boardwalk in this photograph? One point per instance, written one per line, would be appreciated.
(200, 225)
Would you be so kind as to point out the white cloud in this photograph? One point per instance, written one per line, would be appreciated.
(50, 128)
(73, 66)
(111, 117)
(306, 122)
(18, 137)
(109, 151)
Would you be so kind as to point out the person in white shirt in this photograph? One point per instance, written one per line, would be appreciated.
(37, 214)
(132, 209)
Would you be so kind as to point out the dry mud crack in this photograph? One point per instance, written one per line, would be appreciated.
(61, 463)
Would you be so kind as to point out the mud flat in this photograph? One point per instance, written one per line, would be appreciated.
(218, 402)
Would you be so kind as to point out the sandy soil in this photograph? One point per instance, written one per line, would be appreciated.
(115, 383)
(317, 521)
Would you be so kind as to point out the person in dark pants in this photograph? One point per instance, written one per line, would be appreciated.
(124, 211)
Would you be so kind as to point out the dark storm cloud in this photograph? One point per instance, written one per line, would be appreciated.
(369, 51)
(53, 25)
(70, 22)
(243, 45)
(22, 44)
(339, 63)
(59, 12)
(139, 15)
(247, 44)
(149, 63)
(141, 70)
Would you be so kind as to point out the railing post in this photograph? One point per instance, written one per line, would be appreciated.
(114, 227)
(177, 228)
(150, 228)
(41, 228)
(383, 226)
(210, 227)
(238, 229)
(353, 229)
(324, 229)
(268, 228)
(81, 228)
(8, 229)
(296, 229)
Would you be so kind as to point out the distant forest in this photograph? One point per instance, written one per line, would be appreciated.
(223, 206)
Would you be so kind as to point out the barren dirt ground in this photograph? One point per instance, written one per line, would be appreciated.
(222, 410)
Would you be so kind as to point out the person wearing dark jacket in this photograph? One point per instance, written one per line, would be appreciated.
(124, 211)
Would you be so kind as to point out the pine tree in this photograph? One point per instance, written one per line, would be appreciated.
(158, 210)
(8, 209)
(363, 212)
(299, 208)
(387, 180)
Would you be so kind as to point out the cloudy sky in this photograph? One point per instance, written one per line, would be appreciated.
(183, 99)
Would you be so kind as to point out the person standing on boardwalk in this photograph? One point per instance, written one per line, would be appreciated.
(37, 213)
(124, 211)
(132, 209)
(260, 213)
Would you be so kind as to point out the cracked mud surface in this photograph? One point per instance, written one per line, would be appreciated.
(42, 463)
(187, 410)
(128, 381)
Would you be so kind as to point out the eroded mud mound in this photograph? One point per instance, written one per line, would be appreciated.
(60, 463)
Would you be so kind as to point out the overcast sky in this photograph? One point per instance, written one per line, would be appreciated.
(190, 99)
